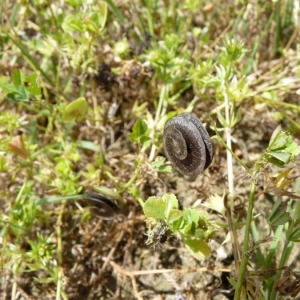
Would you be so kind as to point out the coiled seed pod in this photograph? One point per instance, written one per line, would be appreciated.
(187, 144)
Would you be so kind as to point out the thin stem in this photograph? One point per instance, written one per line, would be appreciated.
(233, 154)
(163, 93)
(228, 142)
(130, 181)
(14, 288)
(233, 234)
(243, 266)
(288, 247)
(59, 252)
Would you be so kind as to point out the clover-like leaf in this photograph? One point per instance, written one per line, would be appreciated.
(155, 208)
(75, 110)
(196, 247)
(138, 134)
(282, 149)
(171, 202)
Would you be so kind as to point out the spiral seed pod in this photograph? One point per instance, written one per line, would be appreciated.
(187, 144)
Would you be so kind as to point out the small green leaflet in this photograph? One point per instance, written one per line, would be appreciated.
(196, 247)
(138, 134)
(279, 214)
(75, 110)
(21, 87)
(278, 139)
(154, 208)
(278, 159)
(282, 149)
(159, 167)
(171, 203)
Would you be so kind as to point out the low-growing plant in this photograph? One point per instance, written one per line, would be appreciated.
(84, 76)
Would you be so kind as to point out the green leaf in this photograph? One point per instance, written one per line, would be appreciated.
(51, 200)
(114, 8)
(191, 215)
(21, 95)
(155, 208)
(282, 149)
(236, 118)
(17, 78)
(279, 159)
(88, 145)
(177, 224)
(293, 233)
(91, 26)
(6, 87)
(292, 148)
(138, 132)
(102, 5)
(158, 165)
(197, 248)
(278, 139)
(189, 228)
(174, 215)
(171, 202)
(222, 120)
(158, 162)
(145, 141)
(295, 212)
(33, 86)
(72, 23)
(279, 214)
(75, 110)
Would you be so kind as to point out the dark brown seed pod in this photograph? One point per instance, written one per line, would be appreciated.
(102, 207)
(187, 144)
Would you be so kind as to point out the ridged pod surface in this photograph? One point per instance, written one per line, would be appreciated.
(187, 144)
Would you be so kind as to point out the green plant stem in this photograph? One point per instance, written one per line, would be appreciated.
(34, 64)
(243, 266)
(149, 14)
(219, 138)
(130, 181)
(164, 91)
(276, 104)
(288, 247)
(273, 247)
(228, 142)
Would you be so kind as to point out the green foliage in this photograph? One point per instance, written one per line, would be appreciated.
(22, 88)
(76, 110)
(159, 166)
(50, 54)
(193, 226)
(169, 60)
(279, 215)
(139, 133)
(282, 149)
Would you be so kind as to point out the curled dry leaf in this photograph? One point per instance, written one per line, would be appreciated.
(16, 145)
(278, 184)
